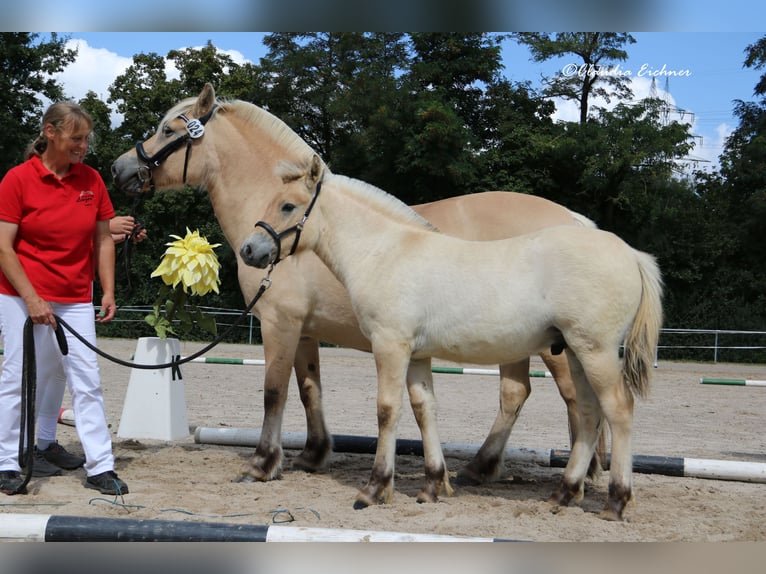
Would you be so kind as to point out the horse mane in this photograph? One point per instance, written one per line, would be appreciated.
(383, 201)
(374, 197)
(292, 143)
(248, 112)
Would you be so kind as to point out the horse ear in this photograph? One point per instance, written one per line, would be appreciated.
(205, 101)
(315, 171)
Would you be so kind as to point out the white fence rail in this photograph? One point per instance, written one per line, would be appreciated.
(712, 339)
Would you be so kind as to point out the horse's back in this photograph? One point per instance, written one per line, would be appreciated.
(572, 270)
(581, 282)
(496, 215)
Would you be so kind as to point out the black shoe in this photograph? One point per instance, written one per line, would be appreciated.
(58, 455)
(107, 483)
(40, 466)
(10, 482)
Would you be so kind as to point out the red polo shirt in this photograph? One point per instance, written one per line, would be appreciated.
(57, 221)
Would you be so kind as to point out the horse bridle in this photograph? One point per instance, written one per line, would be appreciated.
(296, 229)
(195, 129)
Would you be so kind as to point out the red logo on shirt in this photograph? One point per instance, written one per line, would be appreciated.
(87, 197)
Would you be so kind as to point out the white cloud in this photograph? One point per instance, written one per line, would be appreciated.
(94, 70)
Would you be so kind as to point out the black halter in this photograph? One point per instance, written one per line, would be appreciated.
(296, 229)
(195, 129)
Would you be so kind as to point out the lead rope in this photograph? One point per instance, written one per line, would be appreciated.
(28, 396)
(265, 284)
(127, 247)
(29, 372)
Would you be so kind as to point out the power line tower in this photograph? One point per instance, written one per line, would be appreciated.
(671, 112)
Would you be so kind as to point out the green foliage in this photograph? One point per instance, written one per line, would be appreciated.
(173, 313)
(595, 51)
(27, 63)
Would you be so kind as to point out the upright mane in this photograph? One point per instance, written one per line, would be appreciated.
(249, 113)
(382, 201)
(374, 197)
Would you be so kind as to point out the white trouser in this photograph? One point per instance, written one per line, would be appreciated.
(79, 367)
(49, 406)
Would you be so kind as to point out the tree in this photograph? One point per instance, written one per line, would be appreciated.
(741, 203)
(456, 66)
(596, 50)
(369, 139)
(443, 105)
(755, 57)
(142, 95)
(614, 167)
(104, 144)
(208, 64)
(517, 132)
(310, 74)
(28, 64)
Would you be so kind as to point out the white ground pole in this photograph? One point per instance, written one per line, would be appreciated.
(436, 369)
(54, 528)
(742, 471)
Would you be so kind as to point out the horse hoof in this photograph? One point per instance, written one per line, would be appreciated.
(305, 466)
(360, 505)
(467, 479)
(610, 515)
(244, 478)
(556, 499)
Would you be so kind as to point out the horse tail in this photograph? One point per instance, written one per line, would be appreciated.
(580, 219)
(643, 336)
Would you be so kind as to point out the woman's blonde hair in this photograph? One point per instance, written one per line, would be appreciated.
(60, 115)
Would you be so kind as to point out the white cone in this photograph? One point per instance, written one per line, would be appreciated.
(155, 404)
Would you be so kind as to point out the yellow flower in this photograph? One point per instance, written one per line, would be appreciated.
(191, 262)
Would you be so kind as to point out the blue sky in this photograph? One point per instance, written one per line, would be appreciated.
(699, 73)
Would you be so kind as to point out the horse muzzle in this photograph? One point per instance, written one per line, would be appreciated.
(131, 180)
(259, 250)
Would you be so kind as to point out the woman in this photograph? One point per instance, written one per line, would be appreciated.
(49, 456)
(54, 235)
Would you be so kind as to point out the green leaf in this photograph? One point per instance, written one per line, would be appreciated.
(207, 322)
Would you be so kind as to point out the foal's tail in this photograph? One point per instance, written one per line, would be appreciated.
(643, 336)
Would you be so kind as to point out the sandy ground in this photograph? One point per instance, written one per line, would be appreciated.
(187, 481)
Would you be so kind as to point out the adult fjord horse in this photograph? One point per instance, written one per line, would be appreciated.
(231, 149)
(418, 294)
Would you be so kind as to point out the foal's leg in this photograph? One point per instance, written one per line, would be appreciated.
(420, 385)
(318, 439)
(514, 391)
(572, 483)
(280, 341)
(558, 365)
(391, 362)
(605, 374)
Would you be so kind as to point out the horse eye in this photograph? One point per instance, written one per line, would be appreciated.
(288, 208)
(167, 131)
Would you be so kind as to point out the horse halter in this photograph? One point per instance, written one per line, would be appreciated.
(296, 229)
(195, 129)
